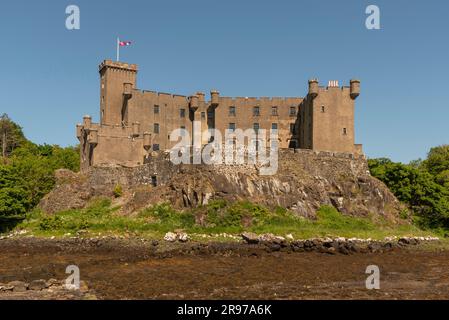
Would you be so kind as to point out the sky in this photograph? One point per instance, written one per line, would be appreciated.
(49, 74)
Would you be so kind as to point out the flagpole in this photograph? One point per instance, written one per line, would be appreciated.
(118, 49)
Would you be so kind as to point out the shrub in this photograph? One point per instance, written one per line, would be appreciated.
(118, 191)
(51, 223)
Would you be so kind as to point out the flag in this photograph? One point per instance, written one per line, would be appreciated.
(124, 43)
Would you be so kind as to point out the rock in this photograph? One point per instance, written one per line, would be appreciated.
(18, 286)
(250, 238)
(6, 288)
(170, 237)
(154, 243)
(331, 250)
(269, 237)
(274, 247)
(83, 287)
(327, 177)
(182, 237)
(297, 245)
(388, 245)
(38, 285)
(404, 241)
(52, 282)
(289, 237)
(308, 244)
(374, 247)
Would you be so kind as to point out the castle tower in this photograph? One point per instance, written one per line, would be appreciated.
(117, 80)
(327, 117)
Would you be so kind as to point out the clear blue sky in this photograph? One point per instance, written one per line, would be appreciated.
(49, 75)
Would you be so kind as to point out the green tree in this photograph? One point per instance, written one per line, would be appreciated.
(28, 173)
(437, 160)
(416, 187)
(11, 136)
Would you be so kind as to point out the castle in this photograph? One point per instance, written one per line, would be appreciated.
(136, 123)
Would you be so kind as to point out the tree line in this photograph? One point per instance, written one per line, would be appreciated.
(27, 169)
(422, 184)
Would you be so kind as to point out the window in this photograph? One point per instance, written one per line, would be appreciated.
(274, 111)
(156, 128)
(274, 126)
(156, 109)
(292, 128)
(232, 126)
(292, 111)
(256, 111)
(345, 132)
(210, 114)
(182, 113)
(256, 127)
(203, 115)
(323, 109)
(154, 181)
(232, 111)
(156, 147)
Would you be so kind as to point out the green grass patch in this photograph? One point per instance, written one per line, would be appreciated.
(216, 217)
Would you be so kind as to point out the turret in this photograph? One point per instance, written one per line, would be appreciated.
(201, 97)
(136, 129)
(127, 90)
(355, 88)
(117, 81)
(87, 122)
(92, 138)
(147, 141)
(194, 102)
(215, 96)
(79, 131)
(313, 88)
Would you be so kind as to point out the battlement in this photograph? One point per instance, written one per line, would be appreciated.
(118, 65)
(261, 100)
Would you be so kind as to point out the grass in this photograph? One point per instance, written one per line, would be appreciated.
(215, 218)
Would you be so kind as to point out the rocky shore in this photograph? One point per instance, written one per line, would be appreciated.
(180, 243)
(44, 289)
(335, 245)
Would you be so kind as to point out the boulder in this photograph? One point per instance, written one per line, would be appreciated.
(250, 238)
(18, 286)
(170, 237)
(182, 237)
(38, 285)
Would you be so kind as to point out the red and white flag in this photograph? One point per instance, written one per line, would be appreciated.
(121, 44)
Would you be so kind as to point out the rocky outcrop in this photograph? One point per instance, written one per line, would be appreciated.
(305, 181)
